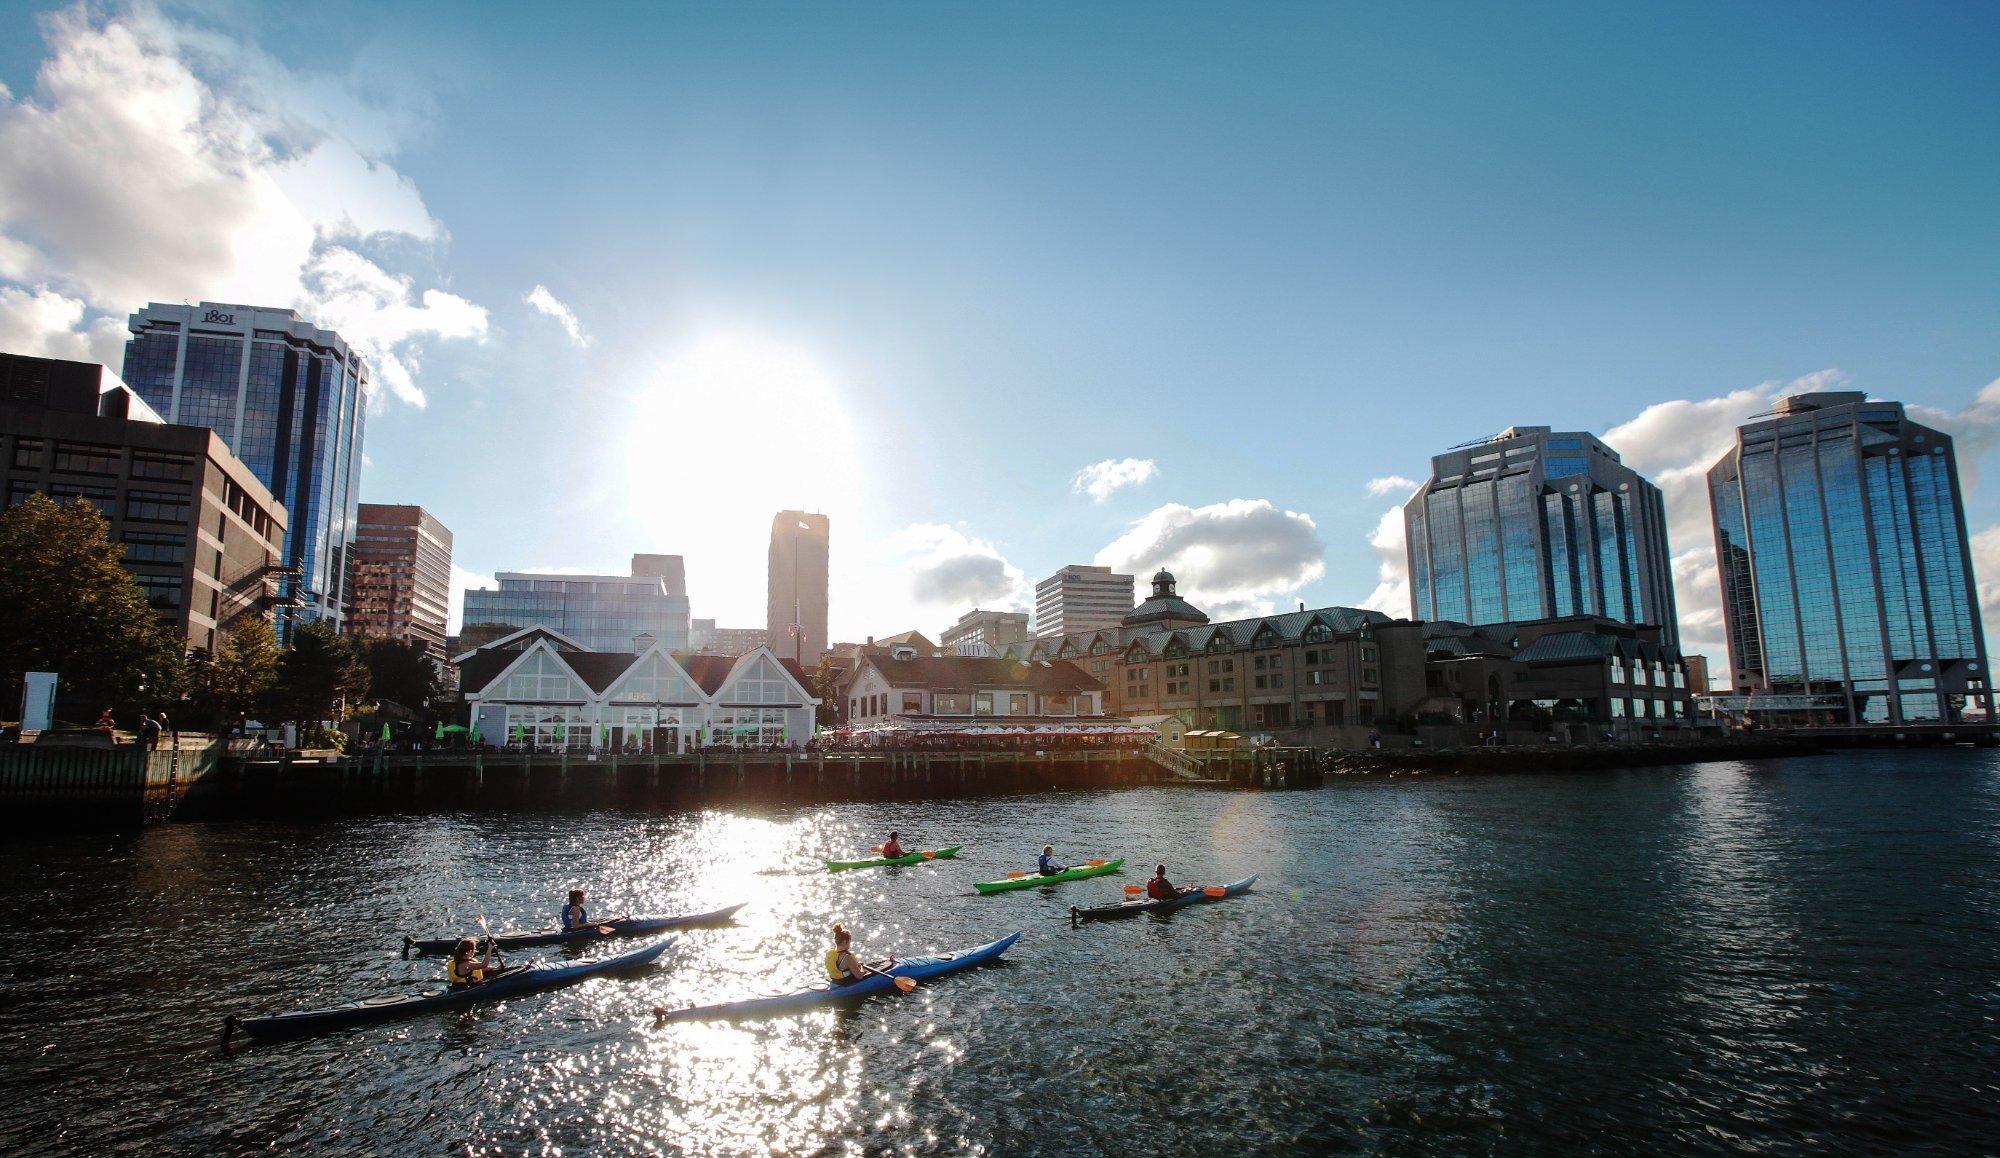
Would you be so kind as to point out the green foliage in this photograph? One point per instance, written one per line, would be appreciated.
(323, 738)
(67, 606)
(826, 686)
(239, 680)
(318, 675)
(402, 672)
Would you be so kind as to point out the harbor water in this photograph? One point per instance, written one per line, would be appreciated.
(1777, 956)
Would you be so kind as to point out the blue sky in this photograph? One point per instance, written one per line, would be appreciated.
(920, 265)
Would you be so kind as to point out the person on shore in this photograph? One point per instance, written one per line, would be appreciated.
(573, 914)
(107, 725)
(149, 732)
(892, 848)
(466, 967)
(1048, 864)
(842, 966)
(1160, 888)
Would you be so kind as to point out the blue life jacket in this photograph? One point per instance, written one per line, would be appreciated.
(582, 918)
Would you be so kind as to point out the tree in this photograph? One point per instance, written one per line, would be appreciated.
(826, 686)
(244, 671)
(318, 675)
(67, 606)
(403, 672)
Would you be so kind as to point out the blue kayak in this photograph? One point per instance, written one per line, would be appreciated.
(917, 968)
(512, 982)
(1132, 908)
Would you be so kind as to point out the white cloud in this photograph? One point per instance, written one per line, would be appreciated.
(1390, 484)
(947, 572)
(46, 324)
(1100, 479)
(547, 303)
(1392, 572)
(175, 164)
(1230, 556)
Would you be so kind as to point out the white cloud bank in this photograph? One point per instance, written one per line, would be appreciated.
(170, 163)
(1100, 480)
(545, 302)
(1230, 559)
(1390, 484)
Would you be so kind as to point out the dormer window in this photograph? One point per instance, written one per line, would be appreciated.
(902, 651)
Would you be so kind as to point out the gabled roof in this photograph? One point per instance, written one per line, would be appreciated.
(556, 638)
(487, 666)
(749, 659)
(973, 672)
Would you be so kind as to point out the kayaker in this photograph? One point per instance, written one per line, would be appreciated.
(573, 916)
(1048, 862)
(1160, 888)
(892, 849)
(466, 968)
(842, 966)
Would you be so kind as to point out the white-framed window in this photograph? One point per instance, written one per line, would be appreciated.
(547, 728)
(749, 728)
(763, 682)
(654, 681)
(542, 677)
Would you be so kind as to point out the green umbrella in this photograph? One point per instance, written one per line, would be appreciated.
(385, 730)
(518, 736)
(440, 731)
(452, 729)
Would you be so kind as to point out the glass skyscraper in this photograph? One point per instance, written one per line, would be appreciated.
(1536, 524)
(1847, 584)
(599, 612)
(289, 399)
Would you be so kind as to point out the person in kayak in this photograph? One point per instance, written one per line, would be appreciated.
(892, 849)
(1049, 867)
(466, 968)
(573, 916)
(842, 966)
(1160, 888)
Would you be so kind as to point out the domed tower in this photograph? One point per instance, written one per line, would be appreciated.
(1164, 610)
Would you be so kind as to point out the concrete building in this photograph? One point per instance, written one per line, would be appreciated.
(1081, 598)
(201, 534)
(1847, 588)
(984, 632)
(289, 400)
(796, 584)
(599, 612)
(708, 639)
(539, 688)
(399, 576)
(1537, 524)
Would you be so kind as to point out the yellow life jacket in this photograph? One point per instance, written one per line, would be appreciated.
(833, 972)
(470, 974)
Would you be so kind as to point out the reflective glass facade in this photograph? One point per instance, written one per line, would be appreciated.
(289, 399)
(1840, 542)
(1534, 524)
(600, 612)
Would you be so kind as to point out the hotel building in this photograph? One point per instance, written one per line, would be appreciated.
(1081, 598)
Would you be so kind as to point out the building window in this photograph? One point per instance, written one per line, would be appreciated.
(156, 506)
(1059, 705)
(1370, 677)
(1017, 703)
(163, 467)
(149, 547)
(913, 703)
(163, 592)
(103, 498)
(947, 703)
(28, 453)
(1367, 655)
(982, 703)
(76, 458)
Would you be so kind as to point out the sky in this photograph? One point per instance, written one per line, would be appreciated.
(1005, 287)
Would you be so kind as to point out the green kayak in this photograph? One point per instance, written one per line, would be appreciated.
(836, 866)
(1031, 880)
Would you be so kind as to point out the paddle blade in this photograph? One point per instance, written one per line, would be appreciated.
(929, 855)
(906, 983)
(874, 848)
(1134, 890)
(606, 930)
(1215, 891)
(1096, 864)
(1017, 876)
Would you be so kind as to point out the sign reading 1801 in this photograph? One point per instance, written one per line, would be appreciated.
(220, 318)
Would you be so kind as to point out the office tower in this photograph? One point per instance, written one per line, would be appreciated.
(795, 603)
(1846, 582)
(200, 534)
(984, 632)
(667, 567)
(1535, 524)
(598, 612)
(1081, 598)
(289, 399)
(399, 575)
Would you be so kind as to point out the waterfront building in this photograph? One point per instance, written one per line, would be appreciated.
(912, 687)
(600, 612)
(289, 399)
(1539, 524)
(984, 632)
(538, 687)
(399, 575)
(1081, 598)
(796, 585)
(201, 534)
(1847, 588)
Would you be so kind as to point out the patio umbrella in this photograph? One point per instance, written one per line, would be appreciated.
(385, 730)
(439, 735)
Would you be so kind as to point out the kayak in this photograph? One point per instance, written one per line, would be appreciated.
(1133, 908)
(620, 927)
(917, 968)
(509, 983)
(835, 866)
(1080, 872)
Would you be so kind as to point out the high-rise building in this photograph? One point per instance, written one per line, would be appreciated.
(1536, 524)
(1081, 598)
(597, 612)
(795, 603)
(289, 399)
(399, 575)
(984, 632)
(200, 533)
(712, 640)
(1847, 585)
